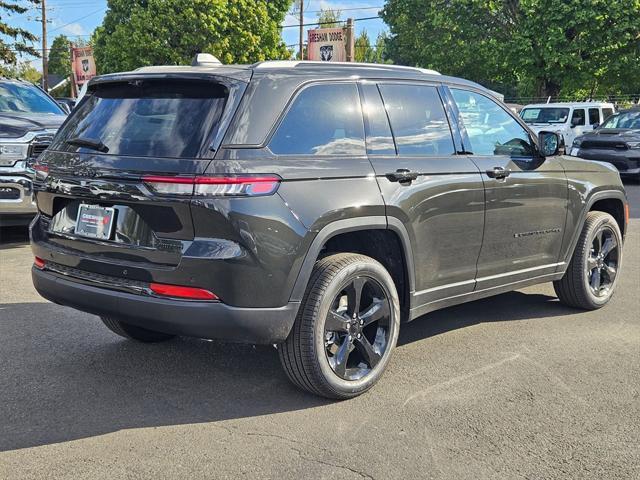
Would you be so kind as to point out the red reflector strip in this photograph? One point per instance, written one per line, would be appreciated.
(182, 292)
(235, 180)
(39, 263)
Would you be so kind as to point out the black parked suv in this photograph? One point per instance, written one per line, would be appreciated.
(616, 141)
(312, 206)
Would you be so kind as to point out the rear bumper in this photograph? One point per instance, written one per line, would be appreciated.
(179, 317)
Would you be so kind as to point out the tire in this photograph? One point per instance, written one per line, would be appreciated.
(334, 321)
(133, 332)
(575, 289)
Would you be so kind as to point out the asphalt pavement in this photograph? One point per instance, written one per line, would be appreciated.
(511, 387)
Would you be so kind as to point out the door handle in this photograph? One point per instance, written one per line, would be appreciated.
(498, 172)
(402, 175)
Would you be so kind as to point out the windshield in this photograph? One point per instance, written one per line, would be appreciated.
(629, 120)
(145, 118)
(545, 115)
(24, 98)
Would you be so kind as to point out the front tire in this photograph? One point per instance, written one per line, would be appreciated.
(133, 332)
(592, 275)
(346, 328)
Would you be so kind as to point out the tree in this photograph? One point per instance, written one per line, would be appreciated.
(365, 52)
(528, 47)
(22, 70)
(13, 40)
(60, 57)
(135, 33)
(329, 18)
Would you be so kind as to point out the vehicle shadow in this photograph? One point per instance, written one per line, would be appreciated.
(67, 377)
(12, 236)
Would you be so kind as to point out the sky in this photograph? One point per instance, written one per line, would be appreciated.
(78, 18)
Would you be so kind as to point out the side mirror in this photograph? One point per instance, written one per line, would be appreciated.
(65, 107)
(550, 144)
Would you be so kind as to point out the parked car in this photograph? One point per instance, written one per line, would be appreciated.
(569, 120)
(263, 204)
(616, 141)
(28, 120)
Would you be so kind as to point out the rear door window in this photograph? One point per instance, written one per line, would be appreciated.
(594, 116)
(606, 113)
(324, 119)
(379, 137)
(578, 117)
(418, 120)
(147, 118)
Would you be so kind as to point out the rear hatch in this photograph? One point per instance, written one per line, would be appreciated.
(97, 186)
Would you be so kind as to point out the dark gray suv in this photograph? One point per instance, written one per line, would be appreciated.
(313, 206)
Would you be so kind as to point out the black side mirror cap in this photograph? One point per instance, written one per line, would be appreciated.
(550, 144)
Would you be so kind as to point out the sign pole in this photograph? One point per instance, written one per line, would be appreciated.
(72, 77)
(349, 43)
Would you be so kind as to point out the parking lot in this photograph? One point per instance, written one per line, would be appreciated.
(515, 386)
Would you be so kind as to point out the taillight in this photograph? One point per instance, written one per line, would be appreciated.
(178, 291)
(39, 263)
(42, 171)
(218, 186)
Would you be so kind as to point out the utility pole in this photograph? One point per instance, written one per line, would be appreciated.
(350, 46)
(301, 29)
(45, 64)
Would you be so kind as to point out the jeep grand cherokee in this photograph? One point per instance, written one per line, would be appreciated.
(312, 206)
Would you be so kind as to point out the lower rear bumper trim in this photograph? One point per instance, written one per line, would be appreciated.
(200, 319)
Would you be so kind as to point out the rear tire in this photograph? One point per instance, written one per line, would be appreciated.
(346, 329)
(133, 332)
(592, 275)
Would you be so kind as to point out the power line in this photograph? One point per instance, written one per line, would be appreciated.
(77, 19)
(329, 23)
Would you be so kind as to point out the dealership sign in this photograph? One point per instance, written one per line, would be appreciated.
(83, 65)
(327, 45)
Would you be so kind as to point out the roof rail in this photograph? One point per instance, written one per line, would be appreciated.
(269, 64)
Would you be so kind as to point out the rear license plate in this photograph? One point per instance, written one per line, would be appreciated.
(94, 221)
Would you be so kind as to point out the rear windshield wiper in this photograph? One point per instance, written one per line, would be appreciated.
(88, 143)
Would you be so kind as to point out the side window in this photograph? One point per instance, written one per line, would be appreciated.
(418, 120)
(324, 119)
(594, 116)
(606, 113)
(578, 117)
(376, 123)
(491, 130)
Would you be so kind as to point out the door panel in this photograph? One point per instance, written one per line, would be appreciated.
(442, 209)
(526, 197)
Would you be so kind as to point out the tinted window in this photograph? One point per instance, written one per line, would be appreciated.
(606, 112)
(578, 117)
(378, 132)
(20, 98)
(323, 120)
(594, 116)
(545, 115)
(418, 120)
(491, 130)
(151, 118)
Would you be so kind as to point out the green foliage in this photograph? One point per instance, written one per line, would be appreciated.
(329, 18)
(60, 57)
(525, 47)
(135, 33)
(13, 40)
(22, 70)
(365, 52)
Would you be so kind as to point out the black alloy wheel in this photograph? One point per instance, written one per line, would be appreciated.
(602, 262)
(357, 328)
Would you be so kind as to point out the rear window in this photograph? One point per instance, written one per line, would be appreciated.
(146, 118)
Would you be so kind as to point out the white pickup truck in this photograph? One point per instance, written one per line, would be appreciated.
(570, 120)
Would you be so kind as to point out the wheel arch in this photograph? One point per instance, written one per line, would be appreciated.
(613, 202)
(343, 233)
